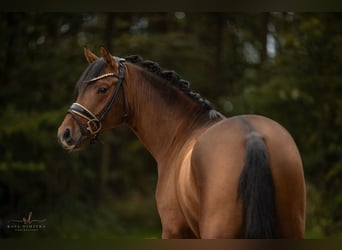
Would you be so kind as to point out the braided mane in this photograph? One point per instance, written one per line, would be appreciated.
(171, 77)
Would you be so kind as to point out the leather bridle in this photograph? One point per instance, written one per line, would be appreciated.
(94, 122)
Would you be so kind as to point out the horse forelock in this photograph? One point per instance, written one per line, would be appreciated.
(93, 70)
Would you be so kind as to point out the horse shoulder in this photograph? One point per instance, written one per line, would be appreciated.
(176, 196)
(187, 193)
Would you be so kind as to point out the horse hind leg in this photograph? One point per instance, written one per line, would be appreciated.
(220, 213)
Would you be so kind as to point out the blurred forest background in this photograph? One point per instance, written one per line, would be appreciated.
(286, 66)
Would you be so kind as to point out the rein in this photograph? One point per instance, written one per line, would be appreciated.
(94, 123)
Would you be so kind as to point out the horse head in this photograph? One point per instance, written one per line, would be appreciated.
(100, 103)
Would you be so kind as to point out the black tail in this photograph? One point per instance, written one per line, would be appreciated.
(256, 191)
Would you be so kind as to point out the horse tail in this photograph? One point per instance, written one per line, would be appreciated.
(256, 190)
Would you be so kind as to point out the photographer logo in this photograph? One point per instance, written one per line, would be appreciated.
(26, 224)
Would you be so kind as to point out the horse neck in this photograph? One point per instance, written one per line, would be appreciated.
(162, 127)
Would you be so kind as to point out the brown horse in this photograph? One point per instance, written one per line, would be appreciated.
(218, 177)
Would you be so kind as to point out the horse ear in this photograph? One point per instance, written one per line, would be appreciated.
(90, 56)
(107, 57)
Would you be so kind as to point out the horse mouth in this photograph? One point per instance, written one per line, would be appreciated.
(69, 147)
(71, 144)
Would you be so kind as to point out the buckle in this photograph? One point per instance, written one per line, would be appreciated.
(94, 126)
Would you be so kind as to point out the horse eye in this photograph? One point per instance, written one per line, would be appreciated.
(102, 90)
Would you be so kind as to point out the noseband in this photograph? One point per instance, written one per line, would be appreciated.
(94, 123)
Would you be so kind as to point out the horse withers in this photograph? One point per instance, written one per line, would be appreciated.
(218, 177)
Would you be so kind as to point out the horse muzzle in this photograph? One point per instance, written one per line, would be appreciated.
(69, 137)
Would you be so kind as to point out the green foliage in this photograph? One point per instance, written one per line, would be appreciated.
(302, 89)
(96, 194)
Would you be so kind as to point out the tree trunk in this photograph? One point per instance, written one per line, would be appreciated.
(219, 29)
(263, 39)
(14, 29)
(102, 173)
(102, 169)
(109, 31)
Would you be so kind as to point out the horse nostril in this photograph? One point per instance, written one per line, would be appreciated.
(67, 135)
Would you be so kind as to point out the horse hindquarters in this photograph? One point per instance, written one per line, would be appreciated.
(256, 191)
(245, 188)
